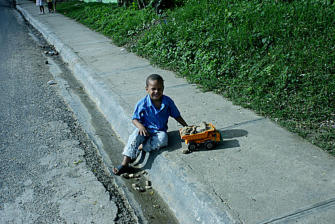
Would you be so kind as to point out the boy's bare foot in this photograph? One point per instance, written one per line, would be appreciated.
(140, 147)
(120, 169)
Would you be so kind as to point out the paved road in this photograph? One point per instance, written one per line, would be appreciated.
(45, 170)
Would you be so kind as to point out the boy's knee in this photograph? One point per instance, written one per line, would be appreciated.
(157, 141)
(162, 138)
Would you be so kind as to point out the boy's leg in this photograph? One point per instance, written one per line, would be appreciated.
(156, 141)
(130, 151)
(134, 141)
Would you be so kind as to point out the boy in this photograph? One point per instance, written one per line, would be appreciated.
(150, 118)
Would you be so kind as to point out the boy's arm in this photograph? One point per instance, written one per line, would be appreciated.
(141, 129)
(181, 121)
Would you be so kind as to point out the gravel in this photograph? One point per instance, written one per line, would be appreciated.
(50, 172)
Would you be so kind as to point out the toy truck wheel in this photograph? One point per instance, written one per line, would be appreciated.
(209, 145)
(192, 146)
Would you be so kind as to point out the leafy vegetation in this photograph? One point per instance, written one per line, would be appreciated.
(275, 57)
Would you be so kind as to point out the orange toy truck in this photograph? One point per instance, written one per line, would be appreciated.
(209, 138)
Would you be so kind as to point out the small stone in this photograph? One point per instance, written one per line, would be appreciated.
(131, 175)
(46, 62)
(148, 183)
(125, 175)
(200, 129)
(135, 186)
(51, 82)
(186, 151)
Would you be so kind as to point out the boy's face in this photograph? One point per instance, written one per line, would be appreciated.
(155, 89)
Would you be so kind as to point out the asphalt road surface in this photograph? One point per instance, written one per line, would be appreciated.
(48, 173)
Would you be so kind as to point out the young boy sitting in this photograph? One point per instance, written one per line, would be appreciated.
(150, 118)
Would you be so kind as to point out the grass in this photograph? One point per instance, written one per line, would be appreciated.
(274, 57)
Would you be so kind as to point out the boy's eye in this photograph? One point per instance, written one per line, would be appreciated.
(156, 89)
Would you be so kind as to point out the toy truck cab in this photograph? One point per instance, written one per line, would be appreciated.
(209, 138)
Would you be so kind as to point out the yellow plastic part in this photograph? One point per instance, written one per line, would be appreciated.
(209, 135)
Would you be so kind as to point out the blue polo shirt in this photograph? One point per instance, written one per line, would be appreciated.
(152, 118)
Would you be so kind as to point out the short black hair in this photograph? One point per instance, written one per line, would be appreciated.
(154, 77)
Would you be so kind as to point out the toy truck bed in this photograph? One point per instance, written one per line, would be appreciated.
(208, 137)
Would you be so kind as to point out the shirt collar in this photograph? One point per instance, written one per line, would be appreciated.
(150, 104)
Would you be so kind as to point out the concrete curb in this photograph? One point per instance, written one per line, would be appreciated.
(186, 197)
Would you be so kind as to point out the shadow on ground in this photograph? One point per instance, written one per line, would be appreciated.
(228, 141)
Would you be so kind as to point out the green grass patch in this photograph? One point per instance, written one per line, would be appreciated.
(274, 57)
(119, 23)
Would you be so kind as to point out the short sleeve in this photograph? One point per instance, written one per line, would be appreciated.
(137, 111)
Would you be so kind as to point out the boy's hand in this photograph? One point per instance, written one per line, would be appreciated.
(143, 131)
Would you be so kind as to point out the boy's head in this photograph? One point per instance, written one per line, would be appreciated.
(155, 86)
